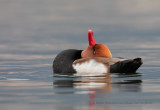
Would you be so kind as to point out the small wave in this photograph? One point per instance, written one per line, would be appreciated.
(16, 79)
(2, 78)
(80, 75)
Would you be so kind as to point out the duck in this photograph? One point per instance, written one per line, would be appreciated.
(95, 59)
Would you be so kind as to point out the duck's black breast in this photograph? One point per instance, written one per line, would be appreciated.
(63, 61)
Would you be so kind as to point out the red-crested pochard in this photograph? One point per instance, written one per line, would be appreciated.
(96, 58)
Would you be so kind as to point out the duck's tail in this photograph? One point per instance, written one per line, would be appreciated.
(126, 66)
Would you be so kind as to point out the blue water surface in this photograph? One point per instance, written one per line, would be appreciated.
(33, 32)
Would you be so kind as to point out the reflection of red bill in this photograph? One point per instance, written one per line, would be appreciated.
(91, 99)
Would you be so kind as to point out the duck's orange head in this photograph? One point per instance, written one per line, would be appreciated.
(94, 49)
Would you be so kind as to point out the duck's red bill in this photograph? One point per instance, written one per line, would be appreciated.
(91, 39)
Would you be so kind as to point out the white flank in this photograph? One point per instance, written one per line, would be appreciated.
(90, 67)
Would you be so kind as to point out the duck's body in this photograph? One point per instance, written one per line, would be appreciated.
(70, 61)
(96, 58)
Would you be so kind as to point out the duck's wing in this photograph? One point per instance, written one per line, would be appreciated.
(102, 60)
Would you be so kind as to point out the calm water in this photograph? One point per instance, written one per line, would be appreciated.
(32, 32)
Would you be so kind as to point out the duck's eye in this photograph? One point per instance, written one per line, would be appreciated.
(94, 49)
(94, 52)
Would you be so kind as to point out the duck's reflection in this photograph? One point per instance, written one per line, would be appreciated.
(100, 87)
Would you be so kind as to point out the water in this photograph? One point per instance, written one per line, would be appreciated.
(32, 32)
